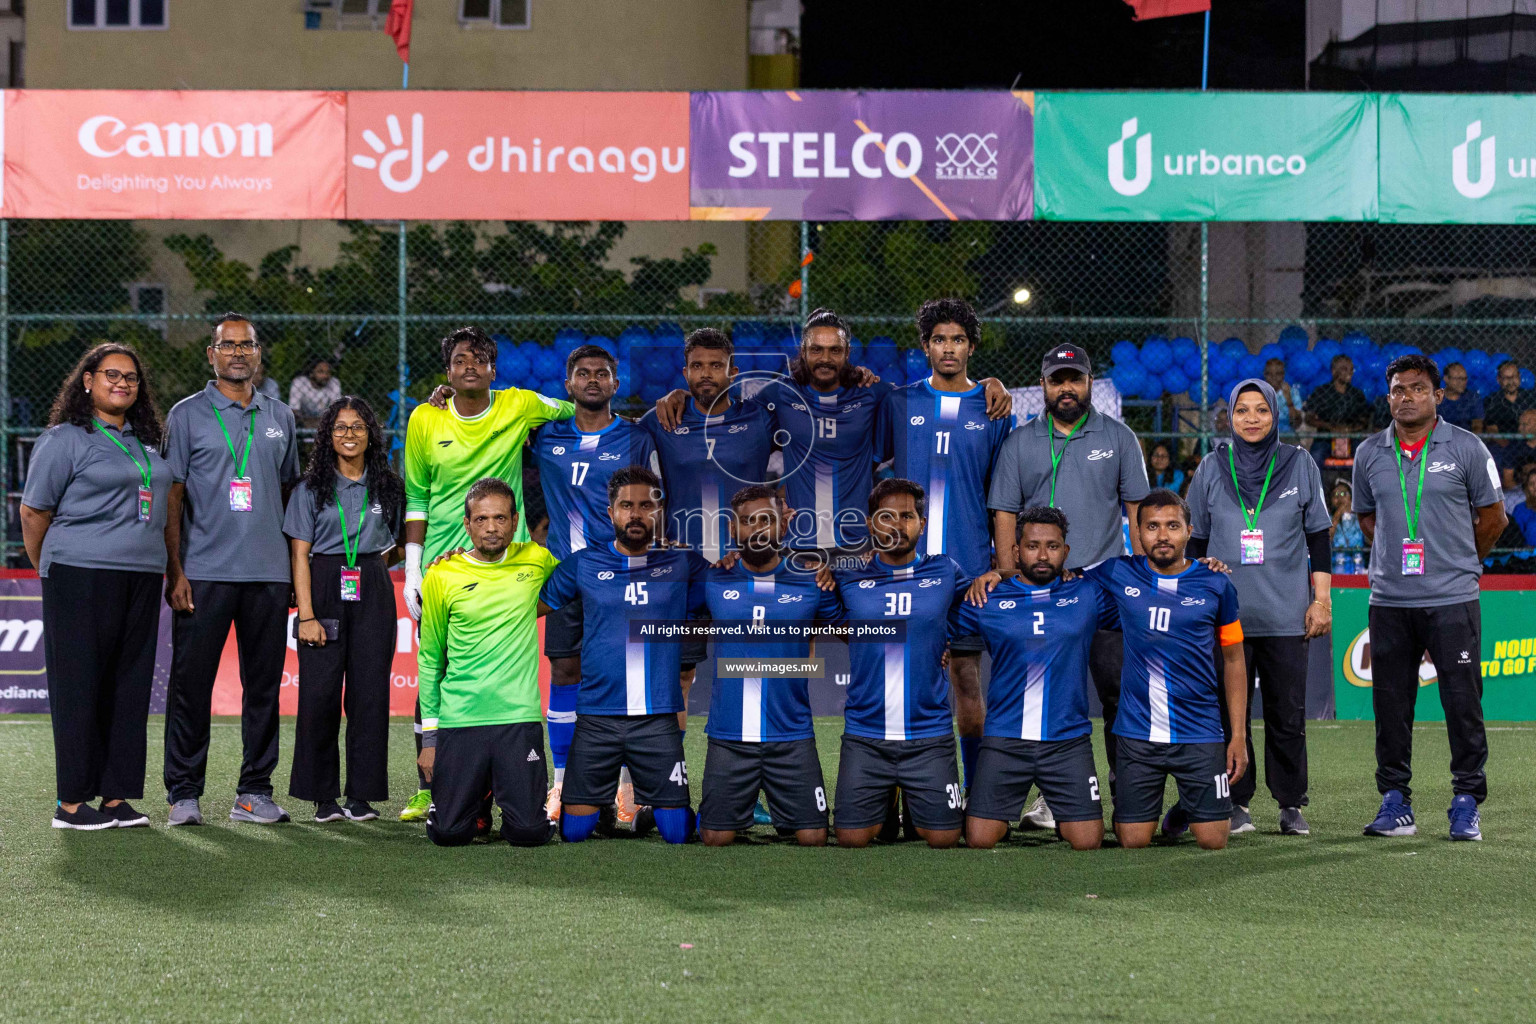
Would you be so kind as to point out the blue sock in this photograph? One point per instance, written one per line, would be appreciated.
(674, 823)
(562, 723)
(576, 827)
(969, 746)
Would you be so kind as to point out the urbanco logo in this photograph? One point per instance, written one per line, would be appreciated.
(1486, 168)
(1117, 179)
(388, 158)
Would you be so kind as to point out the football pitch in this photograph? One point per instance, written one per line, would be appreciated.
(371, 923)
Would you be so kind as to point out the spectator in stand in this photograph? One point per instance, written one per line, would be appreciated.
(1523, 515)
(1462, 406)
(1161, 472)
(1348, 538)
(1337, 408)
(313, 391)
(1221, 418)
(1513, 458)
(1501, 412)
(1288, 398)
(266, 386)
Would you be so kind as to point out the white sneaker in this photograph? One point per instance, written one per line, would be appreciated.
(1038, 816)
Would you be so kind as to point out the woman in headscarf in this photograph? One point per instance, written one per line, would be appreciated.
(1258, 505)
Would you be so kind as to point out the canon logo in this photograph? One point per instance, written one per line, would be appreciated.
(107, 136)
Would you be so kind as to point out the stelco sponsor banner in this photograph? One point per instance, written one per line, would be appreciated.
(517, 155)
(1205, 156)
(862, 155)
(174, 155)
(1458, 159)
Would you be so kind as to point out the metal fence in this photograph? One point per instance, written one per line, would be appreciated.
(373, 299)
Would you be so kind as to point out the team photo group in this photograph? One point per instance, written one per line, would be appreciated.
(994, 576)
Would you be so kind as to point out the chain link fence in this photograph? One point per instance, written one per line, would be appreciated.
(373, 302)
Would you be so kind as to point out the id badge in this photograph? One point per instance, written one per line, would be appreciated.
(1253, 546)
(351, 584)
(146, 503)
(240, 494)
(1413, 558)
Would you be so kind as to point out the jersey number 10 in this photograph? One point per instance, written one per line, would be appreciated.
(1159, 619)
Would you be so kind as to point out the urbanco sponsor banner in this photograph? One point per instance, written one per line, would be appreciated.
(862, 155)
(517, 155)
(1205, 156)
(170, 155)
(1458, 159)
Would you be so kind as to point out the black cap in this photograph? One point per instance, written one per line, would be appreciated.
(1066, 357)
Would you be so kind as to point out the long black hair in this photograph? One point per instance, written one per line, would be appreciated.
(383, 482)
(73, 405)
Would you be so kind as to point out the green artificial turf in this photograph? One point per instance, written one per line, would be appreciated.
(371, 923)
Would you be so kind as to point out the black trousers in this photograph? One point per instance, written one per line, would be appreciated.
(352, 673)
(259, 614)
(1280, 662)
(100, 628)
(1452, 635)
(1105, 660)
(478, 763)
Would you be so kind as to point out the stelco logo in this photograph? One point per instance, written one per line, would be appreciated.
(1201, 163)
(102, 136)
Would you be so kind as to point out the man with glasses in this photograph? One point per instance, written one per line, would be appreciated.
(234, 456)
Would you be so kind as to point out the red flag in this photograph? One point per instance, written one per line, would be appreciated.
(1146, 9)
(398, 26)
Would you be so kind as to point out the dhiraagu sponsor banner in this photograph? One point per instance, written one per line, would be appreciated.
(1508, 658)
(1458, 159)
(1205, 156)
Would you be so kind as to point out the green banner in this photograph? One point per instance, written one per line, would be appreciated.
(1458, 159)
(1508, 657)
(1205, 156)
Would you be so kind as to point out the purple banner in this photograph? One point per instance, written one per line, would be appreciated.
(862, 155)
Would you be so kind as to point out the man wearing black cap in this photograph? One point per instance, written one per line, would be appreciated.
(1089, 466)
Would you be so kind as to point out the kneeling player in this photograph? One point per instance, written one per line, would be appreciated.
(1169, 723)
(626, 708)
(482, 728)
(1037, 733)
(760, 731)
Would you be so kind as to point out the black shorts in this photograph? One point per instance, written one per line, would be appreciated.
(788, 771)
(970, 644)
(562, 631)
(924, 769)
(1063, 769)
(505, 761)
(650, 745)
(1199, 770)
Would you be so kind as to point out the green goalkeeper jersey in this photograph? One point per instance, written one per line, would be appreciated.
(478, 662)
(445, 453)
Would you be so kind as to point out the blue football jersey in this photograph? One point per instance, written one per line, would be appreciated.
(899, 691)
(772, 709)
(1039, 638)
(704, 461)
(573, 471)
(944, 442)
(829, 459)
(620, 675)
(1169, 687)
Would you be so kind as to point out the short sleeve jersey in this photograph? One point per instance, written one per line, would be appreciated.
(574, 468)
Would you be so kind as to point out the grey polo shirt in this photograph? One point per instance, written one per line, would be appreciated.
(92, 489)
(1461, 476)
(323, 531)
(1100, 468)
(1273, 596)
(218, 544)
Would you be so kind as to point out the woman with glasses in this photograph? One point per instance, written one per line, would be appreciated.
(342, 523)
(93, 515)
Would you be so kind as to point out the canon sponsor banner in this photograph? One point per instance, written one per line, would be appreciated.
(518, 155)
(862, 155)
(1458, 159)
(174, 155)
(1205, 156)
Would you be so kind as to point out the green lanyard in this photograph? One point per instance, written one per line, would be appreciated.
(1418, 501)
(1050, 426)
(250, 435)
(1251, 517)
(350, 550)
(144, 470)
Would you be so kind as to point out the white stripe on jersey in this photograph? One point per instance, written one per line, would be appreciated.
(589, 442)
(634, 678)
(1168, 584)
(764, 586)
(895, 691)
(936, 524)
(826, 499)
(1034, 702)
(578, 529)
(949, 408)
(752, 710)
(709, 497)
(1157, 700)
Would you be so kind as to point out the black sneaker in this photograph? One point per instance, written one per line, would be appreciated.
(327, 811)
(125, 815)
(1292, 823)
(358, 810)
(84, 818)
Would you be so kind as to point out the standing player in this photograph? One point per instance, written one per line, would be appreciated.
(1040, 632)
(760, 730)
(478, 434)
(627, 705)
(575, 458)
(1174, 612)
(479, 673)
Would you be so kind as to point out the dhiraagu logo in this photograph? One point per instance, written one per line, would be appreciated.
(1487, 164)
(1136, 185)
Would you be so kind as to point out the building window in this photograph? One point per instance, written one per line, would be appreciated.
(496, 13)
(149, 300)
(117, 14)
